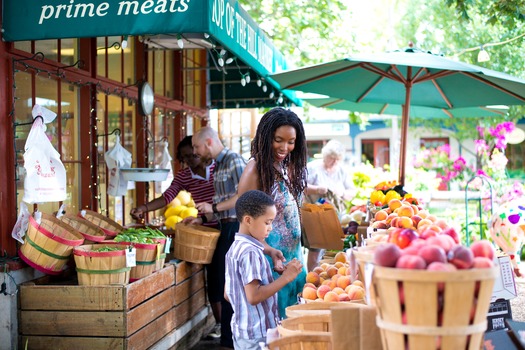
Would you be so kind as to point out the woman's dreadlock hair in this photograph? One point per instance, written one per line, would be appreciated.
(262, 150)
(186, 142)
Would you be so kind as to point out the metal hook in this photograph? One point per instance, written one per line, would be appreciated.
(39, 56)
(31, 122)
(115, 131)
(79, 63)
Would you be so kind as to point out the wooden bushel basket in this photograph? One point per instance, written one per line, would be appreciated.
(48, 246)
(363, 256)
(441, 310)
(91, 232)
(308, 324)
(101, 268)
(316, 308)
(302, 342)
(195, 243)
(161, 258)
(146, 259)
(110, 227)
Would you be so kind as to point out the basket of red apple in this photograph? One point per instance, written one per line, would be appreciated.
(434, 293)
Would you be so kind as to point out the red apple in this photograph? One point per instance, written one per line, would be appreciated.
(414, 262)
(461, 257)
(482, 248)
(387, 254)
(450, 231)
(432, 253)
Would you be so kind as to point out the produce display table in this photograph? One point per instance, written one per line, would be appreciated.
(133, 316)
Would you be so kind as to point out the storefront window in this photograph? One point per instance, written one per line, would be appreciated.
(235, 127)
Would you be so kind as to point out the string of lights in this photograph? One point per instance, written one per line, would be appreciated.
(483, 55)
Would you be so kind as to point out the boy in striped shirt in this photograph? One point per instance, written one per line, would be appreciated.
(250, 287)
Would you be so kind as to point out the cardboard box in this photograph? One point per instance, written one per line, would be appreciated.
(354, 328)
(505, 285)
(322, 228)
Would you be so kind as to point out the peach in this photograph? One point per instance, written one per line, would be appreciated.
(482, 248)
(431, 217)
(416, 219)
(461, 256)
(441, 223)
(343, 281)
(311, 285)
(415, 208)
(414, 262)
(339, 264)
(381, 215)
(387, 254)
(335, 277)
(324, 275)
(431, 253)
(324, 266)
(423, 222)
(390, 217)
(394, 221)
(313, 277)
(405, 222)
(410, 250)
(341, 257)
(355, 292)
(451, 231)
(358, 283)
(405, 211)
(434, 227)
(444, 241)
(423, 213)
(322, 290)
(393, 204)
(309, 293)
(318, 270)
(344, 297)
(439, 266)
(379, 224)
(331, 271)
(329, 283)
(338, 290)
(342, 270)
(482, 262)
(331, 296)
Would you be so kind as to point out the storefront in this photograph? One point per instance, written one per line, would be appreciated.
(88, 61)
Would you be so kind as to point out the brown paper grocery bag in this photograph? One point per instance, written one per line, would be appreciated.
(354, 328)
(322, 226)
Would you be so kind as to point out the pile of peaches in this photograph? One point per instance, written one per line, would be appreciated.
(333, 282)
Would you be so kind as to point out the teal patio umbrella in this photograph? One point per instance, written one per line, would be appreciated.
(415, 111)
(406, 78)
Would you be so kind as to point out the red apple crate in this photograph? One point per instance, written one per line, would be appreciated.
(420, 309)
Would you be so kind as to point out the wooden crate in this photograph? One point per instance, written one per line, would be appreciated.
(133, 316)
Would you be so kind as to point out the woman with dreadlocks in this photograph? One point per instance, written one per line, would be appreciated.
(278, 167)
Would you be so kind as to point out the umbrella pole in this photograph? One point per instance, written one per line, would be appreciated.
(404, 133)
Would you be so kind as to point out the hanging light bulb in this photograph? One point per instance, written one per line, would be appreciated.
(223, 52)
(248, 79)
(243, 81)
(220, 61)
(272, 94)
(180, 42)
(229, 60)
(483, 55)
(264, 88)
(124, 44)
(237, 105)
(259, 82)
(280, 99)
(206, 35)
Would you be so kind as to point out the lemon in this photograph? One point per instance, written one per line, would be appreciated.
(172, 221)
(189, 212)
(184, 197)
(174, 203)
(179, 209)
(170, 212)
(191, 203)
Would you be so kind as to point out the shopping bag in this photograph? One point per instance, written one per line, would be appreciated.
(321, 227)
(20, 228)
(117, 158)
(45, 179)
(164, 163)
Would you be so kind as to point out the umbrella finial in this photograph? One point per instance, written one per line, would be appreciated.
(410, 44)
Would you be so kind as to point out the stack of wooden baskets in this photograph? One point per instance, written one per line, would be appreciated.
(194, 243)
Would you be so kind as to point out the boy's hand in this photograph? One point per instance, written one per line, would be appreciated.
(292, 270)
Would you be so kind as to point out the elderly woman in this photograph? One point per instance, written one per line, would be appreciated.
(328, 173)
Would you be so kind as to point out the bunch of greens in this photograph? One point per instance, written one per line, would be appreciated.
(106, 249)
(139, 235)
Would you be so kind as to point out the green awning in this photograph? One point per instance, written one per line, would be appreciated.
(221, 23)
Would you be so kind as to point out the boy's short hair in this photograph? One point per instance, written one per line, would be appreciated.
(253, 203)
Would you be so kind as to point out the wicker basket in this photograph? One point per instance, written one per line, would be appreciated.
(363, 256)
(110, 227)
(311, 309)
(146, 260)
(161, 257)
(419, 309)
(48, 246)
(101, 268)
(302, 342)
(307, 324)
(91, 232)
(194, 243)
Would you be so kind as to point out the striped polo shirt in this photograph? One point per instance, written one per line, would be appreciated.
(245, 262)
(228, 170)
(201, 189)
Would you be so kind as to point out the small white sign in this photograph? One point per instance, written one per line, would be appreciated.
(369, 271)
(131, 257)
(505, 285)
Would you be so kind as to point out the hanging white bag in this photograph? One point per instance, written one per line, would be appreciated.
(164, 163)
(45, 179)
(20, 228)
(117, 158)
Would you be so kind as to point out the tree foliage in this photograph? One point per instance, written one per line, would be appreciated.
(507, 12)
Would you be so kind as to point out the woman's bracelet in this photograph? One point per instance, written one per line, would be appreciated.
(204, 218)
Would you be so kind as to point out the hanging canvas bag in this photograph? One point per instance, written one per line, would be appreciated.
(117, 158)
(164, 163)
(45, 179)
